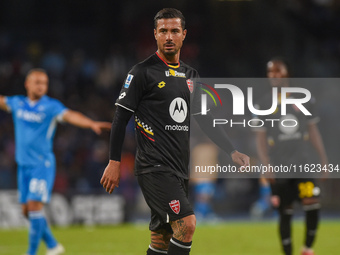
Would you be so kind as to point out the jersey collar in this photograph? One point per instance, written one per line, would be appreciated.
(32, 103)
(173, 66)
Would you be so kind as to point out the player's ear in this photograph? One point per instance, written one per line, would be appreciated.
(155, 33)
(184, 34)
(26, 84)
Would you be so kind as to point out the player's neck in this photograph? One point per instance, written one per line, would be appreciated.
(174, 59)
(33, 98)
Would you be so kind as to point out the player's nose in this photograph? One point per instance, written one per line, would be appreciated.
(168, 36)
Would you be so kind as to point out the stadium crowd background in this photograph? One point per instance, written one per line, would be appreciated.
(87, 48)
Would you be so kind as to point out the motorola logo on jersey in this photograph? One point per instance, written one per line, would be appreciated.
(289, 127)
(178, 110)
(292, 124)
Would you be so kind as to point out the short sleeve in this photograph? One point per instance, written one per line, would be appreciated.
(132, 90)
(58, 110)
(11, 102)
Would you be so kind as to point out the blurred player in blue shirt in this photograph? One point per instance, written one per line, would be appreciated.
(35, 119)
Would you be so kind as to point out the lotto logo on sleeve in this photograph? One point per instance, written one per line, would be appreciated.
(128, 80)
(175, 206)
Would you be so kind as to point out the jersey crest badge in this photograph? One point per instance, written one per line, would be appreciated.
(175, 206)
(128, 80)
(190, 84)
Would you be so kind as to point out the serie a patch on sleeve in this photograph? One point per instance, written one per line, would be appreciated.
(128, 80)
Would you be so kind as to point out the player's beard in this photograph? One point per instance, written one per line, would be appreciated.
(172, 52)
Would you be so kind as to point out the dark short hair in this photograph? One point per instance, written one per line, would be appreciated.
(169, 13)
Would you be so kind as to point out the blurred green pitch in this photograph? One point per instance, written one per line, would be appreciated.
(232, 238)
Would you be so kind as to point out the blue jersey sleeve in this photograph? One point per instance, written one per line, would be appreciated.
(58, 109)
(12, 102)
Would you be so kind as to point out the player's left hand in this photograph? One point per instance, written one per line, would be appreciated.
(98, 126)
(240, 159)
(111, 176)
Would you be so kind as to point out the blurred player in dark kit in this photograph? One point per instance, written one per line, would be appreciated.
(157, 91)
(279, 145)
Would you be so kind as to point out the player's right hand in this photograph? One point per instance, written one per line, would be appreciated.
(111, 176)
(240, 158)
(98, 126)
